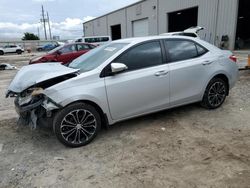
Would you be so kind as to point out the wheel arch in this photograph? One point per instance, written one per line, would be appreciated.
(104, 118)
(224, 78)
(221, 75)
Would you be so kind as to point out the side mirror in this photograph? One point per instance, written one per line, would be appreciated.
(118, 67)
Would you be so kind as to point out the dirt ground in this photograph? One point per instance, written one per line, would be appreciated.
(185, 147)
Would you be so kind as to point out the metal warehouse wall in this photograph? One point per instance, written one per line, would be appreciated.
(227, 20)
(219, 18)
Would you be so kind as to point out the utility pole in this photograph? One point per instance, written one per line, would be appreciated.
(38, 32)
(44, 23)
(49, 26)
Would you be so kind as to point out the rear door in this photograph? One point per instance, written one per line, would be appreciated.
(144, 87)
(188, 64)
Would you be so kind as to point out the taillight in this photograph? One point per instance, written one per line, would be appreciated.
(233, 58)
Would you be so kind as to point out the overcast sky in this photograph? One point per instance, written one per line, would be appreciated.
(66, 16)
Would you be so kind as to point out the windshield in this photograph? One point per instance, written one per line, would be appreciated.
(96, 57)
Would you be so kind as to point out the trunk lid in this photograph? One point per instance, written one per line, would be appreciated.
(194, 29)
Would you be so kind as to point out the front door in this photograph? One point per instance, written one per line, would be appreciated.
(144, 87)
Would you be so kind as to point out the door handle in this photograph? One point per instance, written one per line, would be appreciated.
(161, 73)
(207, 62)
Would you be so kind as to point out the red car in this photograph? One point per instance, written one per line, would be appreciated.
(64, 54)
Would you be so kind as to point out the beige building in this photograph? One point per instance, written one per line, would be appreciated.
(230, 18)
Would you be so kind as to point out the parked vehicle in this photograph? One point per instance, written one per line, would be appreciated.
(11, 49)
(122, 80)
(47, 47)
(64, 54)
(190, 32)
(97, 40)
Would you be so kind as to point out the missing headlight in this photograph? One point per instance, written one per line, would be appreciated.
(37, 91)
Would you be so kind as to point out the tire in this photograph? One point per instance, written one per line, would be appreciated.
(69, 126)
(19, 52)
(1, 52)
(215, 94)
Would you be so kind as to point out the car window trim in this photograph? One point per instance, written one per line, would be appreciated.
(105, 73)
(179, 39)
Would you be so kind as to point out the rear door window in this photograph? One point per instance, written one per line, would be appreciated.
(201, 50)
(179, 50)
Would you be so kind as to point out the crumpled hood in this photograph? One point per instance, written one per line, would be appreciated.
(31, 75)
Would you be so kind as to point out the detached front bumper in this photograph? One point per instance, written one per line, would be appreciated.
(37, 111)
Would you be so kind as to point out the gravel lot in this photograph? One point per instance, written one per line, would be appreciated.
(183, 147)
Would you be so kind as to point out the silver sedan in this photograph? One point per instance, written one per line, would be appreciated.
(122, 80)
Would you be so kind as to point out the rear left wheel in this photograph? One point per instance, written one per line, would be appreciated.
(1, 52)
(77, 124)
(215, 94)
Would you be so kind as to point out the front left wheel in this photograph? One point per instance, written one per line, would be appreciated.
(77, 124)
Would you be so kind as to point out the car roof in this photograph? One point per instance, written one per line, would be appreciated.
(138, 40)
(148, 38)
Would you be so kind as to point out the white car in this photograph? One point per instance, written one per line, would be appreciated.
(11, 49)
(190, 32)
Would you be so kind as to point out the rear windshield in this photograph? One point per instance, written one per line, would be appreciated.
(96, 57)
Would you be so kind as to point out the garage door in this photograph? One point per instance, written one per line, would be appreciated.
(140, 28)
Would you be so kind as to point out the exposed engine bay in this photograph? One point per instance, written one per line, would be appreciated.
(31, 103)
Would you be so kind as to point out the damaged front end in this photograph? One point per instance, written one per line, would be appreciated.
(34, 108)
(32, 105)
